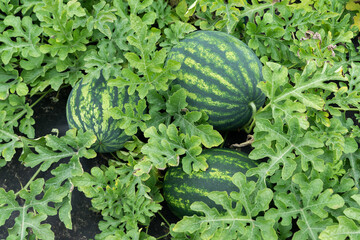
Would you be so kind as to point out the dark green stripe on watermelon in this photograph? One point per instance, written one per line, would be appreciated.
(87, 109)
(220, 74)
(182, 189)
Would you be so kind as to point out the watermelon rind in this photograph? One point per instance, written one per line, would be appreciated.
(181, 189)
(88, 108)
(220, 74)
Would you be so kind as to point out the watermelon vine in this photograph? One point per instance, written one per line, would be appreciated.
(304, 137)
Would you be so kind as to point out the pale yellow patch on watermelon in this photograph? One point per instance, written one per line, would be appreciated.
(255, 69)
(217, 174)
(85, 95)
(247, 80)
(247, 53)
(191, 63)
(106, 105)
(206, 70)
(231, 56)
(179, 57)
(222, 47)
(193, 189)
(190, 49)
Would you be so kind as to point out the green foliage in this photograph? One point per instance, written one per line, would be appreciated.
(27, 218)
(15, 114)
(348, 225)
(311, 215)
(306, 135)
(132, 118)
(123, 199)
(148, 61)
(303, 130)
(58, 189)
(168, 141)
(304, 142)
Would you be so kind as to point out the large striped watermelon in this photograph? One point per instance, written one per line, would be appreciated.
(220, 74)
(87, 109)
(182, 189)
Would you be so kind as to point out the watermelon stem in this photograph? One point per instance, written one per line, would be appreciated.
(250, 125)
(21, 113)
(40, 98)
(163, 236)
(166, 221)
(29, 182)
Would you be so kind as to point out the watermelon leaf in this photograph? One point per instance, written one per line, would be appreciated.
(177, 133)
(33, 221)
(132, 117)
(288, 144)
(347, 226)
(208, 136)
(60, 20)
(335, 137)
(354, 170)
(106, 61)
(302, 84)
(8, 203)
(167, 144)
(103, 15)
(147, 60)
(177, 102)
(112, 189)
(229, 12)
(34, 210)
(56, 190)
(8, 148)
(25, 33)
(161, 10)
(192, 121)
(14, 114)
(318, 80)
(176, 32)
(347, 98)
(310, 212)
(138, 5)
(72, 145)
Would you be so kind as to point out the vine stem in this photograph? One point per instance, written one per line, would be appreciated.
(251, 123)
(349, 109)
(23, 111)
(30, 181)
(163, 236)
(166, 221)
(40, 98)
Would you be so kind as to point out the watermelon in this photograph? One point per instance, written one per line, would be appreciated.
(180, 189)
(220, 74)
(87, 109)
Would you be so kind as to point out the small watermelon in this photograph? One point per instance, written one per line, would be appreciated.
(182, 189)
(87, 109)
(220, 74)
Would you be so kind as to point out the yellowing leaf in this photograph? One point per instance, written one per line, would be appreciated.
(353, 5)
(357, 20)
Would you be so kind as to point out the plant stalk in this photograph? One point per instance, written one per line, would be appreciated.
(30, 181)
